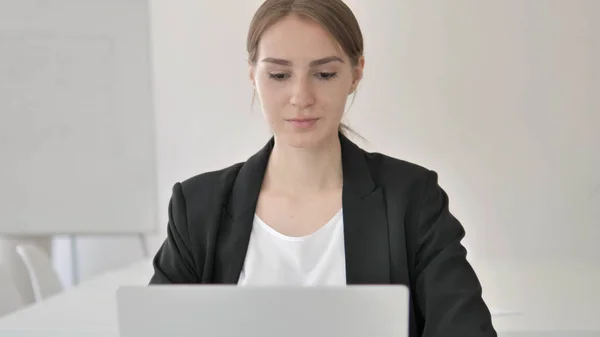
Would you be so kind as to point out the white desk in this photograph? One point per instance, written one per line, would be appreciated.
(555, 299)
(88, 310)
(554, 302)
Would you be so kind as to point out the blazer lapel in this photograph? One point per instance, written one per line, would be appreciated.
(236, 225)
(365, 221)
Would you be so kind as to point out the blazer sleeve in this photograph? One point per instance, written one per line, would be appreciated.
(446, 290)
(174, 262)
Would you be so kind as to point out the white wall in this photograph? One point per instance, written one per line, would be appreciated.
(499, 97)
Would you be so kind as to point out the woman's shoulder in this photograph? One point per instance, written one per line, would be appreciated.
(383, 169)
(210, 183)
(402, 180)
(387, 169)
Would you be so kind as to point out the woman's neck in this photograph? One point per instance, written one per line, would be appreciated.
(305, 170)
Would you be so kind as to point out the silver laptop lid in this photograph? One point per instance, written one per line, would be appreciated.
(231, 311)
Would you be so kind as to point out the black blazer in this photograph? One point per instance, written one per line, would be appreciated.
(397, 230)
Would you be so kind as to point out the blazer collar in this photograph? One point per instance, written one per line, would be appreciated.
(244, 196)
(365, 220)
(248, 182)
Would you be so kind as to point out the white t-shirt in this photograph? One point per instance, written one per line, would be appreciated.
(276, 259)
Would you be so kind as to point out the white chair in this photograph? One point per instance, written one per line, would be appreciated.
(44, 278)
(10, 298)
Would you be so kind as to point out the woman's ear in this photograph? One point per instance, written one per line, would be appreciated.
(358, 73)
(251, 75)
(359, 69)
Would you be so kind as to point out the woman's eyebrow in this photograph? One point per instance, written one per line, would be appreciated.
(314, 63)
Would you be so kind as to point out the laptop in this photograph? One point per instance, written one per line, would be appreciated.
(232, 311)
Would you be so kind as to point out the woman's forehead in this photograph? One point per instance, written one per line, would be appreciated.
(298, 40)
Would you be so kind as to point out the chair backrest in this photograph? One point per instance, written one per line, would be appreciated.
(10, 298)
(44, 278)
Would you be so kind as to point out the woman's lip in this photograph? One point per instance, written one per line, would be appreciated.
(302, 119)
(303, 123)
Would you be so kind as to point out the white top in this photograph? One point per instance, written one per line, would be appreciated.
(276, 259)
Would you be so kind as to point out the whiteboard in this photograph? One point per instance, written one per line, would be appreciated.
(77, 126)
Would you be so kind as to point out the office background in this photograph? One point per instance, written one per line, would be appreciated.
(499, 97)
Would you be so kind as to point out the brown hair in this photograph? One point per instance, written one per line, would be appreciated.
(333, 15)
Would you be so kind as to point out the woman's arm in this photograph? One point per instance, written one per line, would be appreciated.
(447, 292)
(174, 262)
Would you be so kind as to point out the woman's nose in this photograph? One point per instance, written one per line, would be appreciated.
(302, 94)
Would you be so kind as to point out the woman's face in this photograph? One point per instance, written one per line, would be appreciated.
(303, 78)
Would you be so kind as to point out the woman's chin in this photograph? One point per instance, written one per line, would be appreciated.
(305, 139)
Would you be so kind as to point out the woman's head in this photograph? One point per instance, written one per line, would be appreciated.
(306, 57)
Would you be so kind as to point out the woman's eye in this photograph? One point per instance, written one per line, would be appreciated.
(285, 76)
(326, 76)
(278, 76)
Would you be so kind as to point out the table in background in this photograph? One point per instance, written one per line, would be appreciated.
(88, 310)
(554, 300)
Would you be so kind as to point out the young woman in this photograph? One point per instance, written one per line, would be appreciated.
(311, 207)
